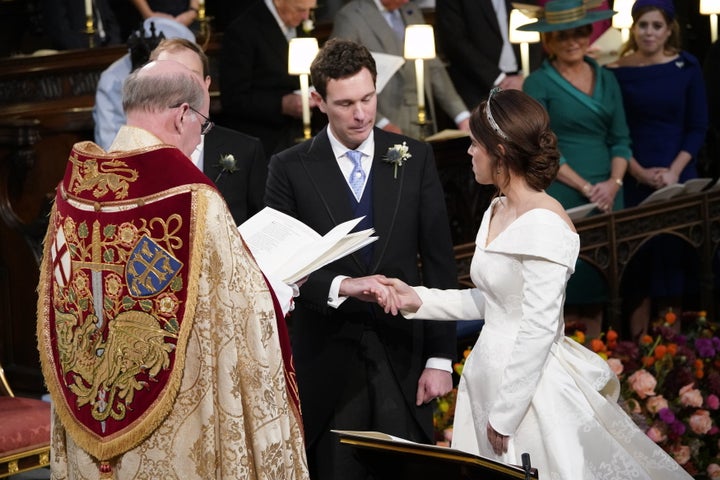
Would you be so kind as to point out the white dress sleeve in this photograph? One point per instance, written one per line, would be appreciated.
(463, 304)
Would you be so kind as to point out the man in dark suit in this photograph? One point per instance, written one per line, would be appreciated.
(64, 22)
(257, 92)
(477, 48)
(358, 368)
(235, 162)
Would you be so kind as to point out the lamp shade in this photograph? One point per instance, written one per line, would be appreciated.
(518, 18)
(301, 53)
(623, 17)
(708, 7)
(419, 42)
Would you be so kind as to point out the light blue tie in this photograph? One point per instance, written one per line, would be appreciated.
(357, 176)
(397, 24)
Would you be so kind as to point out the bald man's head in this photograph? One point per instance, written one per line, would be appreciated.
(163, 84)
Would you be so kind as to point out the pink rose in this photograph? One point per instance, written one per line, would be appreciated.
(643, 383)
(713, 471)
(655, 404)
(616, 366)
(681, 454)
(700, 422)
(656, 435)
(690, 397)
(712, 402)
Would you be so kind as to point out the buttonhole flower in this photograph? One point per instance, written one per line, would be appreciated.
(227, 164)
(397, 155)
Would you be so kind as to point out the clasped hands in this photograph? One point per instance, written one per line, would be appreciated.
(391, 294)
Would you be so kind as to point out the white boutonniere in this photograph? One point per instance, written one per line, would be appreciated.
(308, 25)
(227, 164)
(397, 155)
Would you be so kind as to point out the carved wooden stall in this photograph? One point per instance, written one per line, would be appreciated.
(609, 242)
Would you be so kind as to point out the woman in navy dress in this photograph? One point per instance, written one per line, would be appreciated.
(666, 110)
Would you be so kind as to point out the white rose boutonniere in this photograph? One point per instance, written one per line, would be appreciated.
(227, 164)
(308, 25)
(397, 155)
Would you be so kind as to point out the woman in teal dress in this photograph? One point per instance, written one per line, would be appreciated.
(586, 113)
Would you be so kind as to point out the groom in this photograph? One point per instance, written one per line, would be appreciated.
(357, 368)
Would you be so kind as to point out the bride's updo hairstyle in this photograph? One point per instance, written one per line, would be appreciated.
(521, 125)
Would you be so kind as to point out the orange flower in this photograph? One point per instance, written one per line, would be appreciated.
(612, 335)
(660, 351)
(646, 340)
(670, 317)
(672, 349)
(597, 345)
(648, 361)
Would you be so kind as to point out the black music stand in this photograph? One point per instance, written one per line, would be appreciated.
(391, 458)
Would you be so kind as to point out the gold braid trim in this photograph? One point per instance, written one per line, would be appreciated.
(566, 16)
(112, 447)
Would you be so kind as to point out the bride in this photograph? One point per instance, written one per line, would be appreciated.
(526, 387)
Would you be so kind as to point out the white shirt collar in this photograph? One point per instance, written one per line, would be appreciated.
(367, 147)
(284, 28)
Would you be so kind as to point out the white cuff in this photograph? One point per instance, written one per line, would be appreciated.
(439, 363)
(334, 299)
(461, 116)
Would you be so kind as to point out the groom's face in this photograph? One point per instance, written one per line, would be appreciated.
(350, 104)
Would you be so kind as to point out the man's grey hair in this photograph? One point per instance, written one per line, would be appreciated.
(153, 93)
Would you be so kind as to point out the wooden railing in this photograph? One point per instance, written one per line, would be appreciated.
(609, 242)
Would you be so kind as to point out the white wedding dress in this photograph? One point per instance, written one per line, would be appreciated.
(556, 399)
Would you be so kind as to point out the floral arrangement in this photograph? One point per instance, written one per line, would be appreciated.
(397, 155)
(670, 382)
(227, 164)
(444, 410)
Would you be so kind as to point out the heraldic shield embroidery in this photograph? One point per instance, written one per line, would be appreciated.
(116, 326)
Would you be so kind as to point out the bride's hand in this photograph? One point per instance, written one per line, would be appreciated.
(398, 296)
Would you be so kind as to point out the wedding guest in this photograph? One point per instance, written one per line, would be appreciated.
(474, 39)
(380, 26)
(375, 375)
(259, 97)
(235, 162)
(666, 108)
(586, 112)
(65, 24)
(182, 11)
(526, 388)
(157, 331)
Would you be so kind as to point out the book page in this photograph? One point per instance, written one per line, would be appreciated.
(386, 65)
(287, 249)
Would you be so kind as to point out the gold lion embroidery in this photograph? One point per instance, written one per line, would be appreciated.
(105, 373)
(101, 178)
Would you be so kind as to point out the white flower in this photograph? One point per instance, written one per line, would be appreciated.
(308, 25)
(397, 155)
(227, 164)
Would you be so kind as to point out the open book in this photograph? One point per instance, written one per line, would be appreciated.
(287, 249)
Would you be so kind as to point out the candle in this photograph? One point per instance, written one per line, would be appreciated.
(525, 58)
(420, 75)
(305, 92)
(88, 8)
